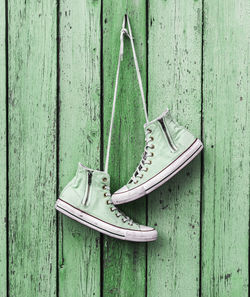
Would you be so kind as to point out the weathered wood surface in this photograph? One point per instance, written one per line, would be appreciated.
(32, 148)
(62, 58)
(3, 152)
(79, 134)
(226, 131)
(124, 263)
(174, 82)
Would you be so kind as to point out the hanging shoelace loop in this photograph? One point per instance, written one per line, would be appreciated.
(128, 33)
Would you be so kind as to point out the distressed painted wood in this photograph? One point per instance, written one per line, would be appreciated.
(124, 262)
(79, 130)
(3, 151)
(226, 126)
(32, 148)
(174, 81)
(194, 59)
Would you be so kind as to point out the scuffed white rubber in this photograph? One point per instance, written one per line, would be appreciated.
(155, 182)
(143, 235)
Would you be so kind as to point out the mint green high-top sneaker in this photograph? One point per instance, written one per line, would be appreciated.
(169, 148)
(87, 199)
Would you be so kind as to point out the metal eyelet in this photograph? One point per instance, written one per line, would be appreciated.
(146, 169)
(152, 154)
(123, 221)
(149, 130)
(152, 138)
(107, 202)
(105, 195)
(104, 187)
(135, 182)
(150, 162)
(112, 209)
(104, 179)
(117, 215)
(152, 146)
(141, 176)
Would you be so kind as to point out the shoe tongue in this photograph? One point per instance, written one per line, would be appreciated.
(146, 125)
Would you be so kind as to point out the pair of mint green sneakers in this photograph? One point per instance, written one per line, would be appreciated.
(87, 199)
(169, 147)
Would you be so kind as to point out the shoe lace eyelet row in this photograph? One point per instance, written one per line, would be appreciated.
(112, 208)
(150, 154)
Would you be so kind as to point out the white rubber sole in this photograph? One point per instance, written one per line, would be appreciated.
(103, 227)
(159, 179)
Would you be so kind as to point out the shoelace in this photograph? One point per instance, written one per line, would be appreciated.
(113, 208)
(144, 161)
(128, 33)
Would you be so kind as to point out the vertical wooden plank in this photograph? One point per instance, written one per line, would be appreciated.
(226, 135)
(3, 152)
(174, 81)
(80, 128)
(124, 262)
(32, 147)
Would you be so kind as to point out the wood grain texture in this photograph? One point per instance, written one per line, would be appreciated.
(189, 67)
(3, 152)
(174, 81)
(226, 160)
(32, 148)
(124, 262)
(80, 129)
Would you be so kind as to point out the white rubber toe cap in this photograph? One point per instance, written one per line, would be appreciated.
(120, 195)
(123, 189)
(124, 194)
(144, 234)
(146, 228)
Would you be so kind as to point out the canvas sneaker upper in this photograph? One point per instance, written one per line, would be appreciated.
(89, 192)
(165, 142)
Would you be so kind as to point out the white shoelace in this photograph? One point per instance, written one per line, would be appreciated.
(144, 161)
(128, 33)
(113, 208)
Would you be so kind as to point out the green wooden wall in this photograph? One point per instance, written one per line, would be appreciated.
(58, 61)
